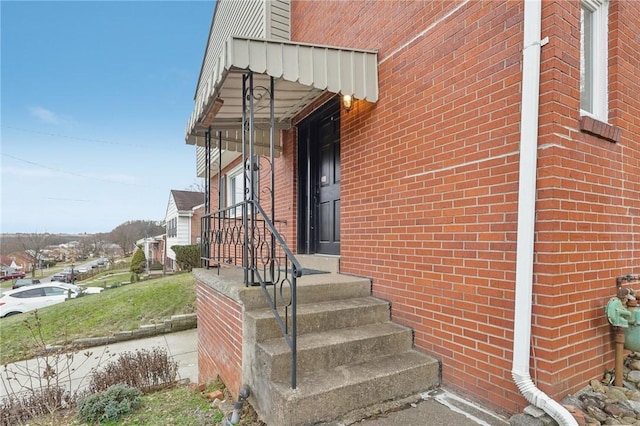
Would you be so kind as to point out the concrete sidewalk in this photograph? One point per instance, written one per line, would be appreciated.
(73, 372)
(438, 407)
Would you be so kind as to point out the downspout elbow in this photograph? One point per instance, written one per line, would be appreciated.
(541, 400)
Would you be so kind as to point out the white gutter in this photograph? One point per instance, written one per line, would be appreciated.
(526, 218)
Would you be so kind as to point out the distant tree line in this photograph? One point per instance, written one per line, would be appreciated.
(124, 235)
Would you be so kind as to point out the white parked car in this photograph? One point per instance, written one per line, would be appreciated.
(34, 297)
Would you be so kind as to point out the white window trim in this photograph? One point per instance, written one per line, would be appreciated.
(600, 89)
(231, 175)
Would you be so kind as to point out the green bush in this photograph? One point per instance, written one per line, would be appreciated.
(187, 257)
(138, 261)
(156, 266)
(111, 404)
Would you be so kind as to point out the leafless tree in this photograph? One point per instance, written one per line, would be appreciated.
(126, 234)
(9, 243)
(97, 243)
(33, 246)
(197, 186)
(84, 249)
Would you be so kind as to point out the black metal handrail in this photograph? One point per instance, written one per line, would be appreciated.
(251, 240)
(259, 248)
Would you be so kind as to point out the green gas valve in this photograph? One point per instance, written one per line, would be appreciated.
(617, 314)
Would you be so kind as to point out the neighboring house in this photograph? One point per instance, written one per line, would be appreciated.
(9, 266)
(15, 262)
(153, 249)
(182, 222)
(60, 252)
(22, 261)
(484, 174)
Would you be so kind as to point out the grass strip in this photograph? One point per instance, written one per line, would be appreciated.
(123, 308)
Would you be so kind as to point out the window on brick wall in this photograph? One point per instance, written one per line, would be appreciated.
(235, 188)
(594, 59)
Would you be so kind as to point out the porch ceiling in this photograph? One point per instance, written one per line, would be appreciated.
(302, 72)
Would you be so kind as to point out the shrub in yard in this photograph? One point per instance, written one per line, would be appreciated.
(42, 386)
(111, 404)
(187, 257)
(19, 408)
(48, 263)
(138, 261)
(156, 266)
(147, 370)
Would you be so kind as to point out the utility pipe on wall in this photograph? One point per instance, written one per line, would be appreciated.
(526, 217)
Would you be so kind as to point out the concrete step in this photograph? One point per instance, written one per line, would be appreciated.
(330, 349)
(330, 394)
(321, 316)
(322, 287)
(310, 289)
(321, 262)
(350, 356)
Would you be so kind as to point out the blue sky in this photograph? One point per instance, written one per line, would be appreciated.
(95, 96)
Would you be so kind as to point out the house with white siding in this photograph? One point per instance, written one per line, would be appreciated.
(182, 222)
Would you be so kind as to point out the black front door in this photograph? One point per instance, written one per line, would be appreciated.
(328, 184)
(319, 182)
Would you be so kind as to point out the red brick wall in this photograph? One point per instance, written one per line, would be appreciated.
(430, 180)
(430, 184)
(430, 189)
(286, 176)
(219, 338)
(587, 209)
(195, 224)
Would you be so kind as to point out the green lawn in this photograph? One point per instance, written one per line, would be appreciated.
(179, 406)
(118, 309)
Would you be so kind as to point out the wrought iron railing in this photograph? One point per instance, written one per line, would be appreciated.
(243, 236)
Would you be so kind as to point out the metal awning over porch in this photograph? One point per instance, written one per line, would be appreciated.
(302, 72)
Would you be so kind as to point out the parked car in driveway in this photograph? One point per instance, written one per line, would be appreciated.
(23, 282)
(33, 297)
(63, 277)
(12, 275)
(58, 277)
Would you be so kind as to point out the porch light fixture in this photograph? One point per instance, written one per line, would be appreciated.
(347, 102)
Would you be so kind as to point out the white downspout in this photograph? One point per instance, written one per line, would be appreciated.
(526, 218)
